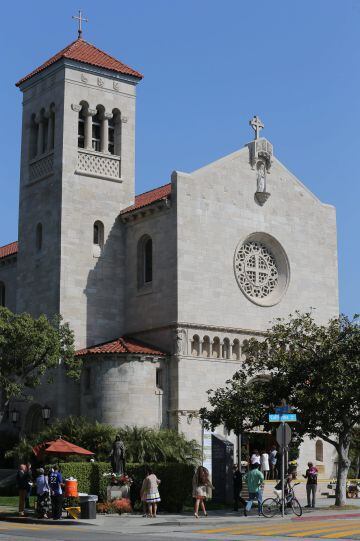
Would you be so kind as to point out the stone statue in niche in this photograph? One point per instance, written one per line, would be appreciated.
(117, 456)
(179, 341)
(260, 181)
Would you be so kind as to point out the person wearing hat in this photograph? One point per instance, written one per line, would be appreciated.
(43, 494)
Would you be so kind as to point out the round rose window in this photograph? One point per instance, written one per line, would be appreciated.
(261, 269)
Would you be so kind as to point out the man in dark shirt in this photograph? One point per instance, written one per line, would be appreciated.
(56, 484)
(22, 484)
(237, 482)
(311, 484)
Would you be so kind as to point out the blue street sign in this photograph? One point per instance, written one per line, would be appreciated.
(282, 417)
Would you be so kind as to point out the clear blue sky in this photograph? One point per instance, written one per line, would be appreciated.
(209, 66)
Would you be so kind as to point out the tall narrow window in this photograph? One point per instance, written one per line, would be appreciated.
(2, 294)
(148, 261)
(159, 378)
(39, 237)
(319, 451)
(81, 129)
(98, 233)
(111, 144)
(96, 132)
(33, 137)
(145, 261)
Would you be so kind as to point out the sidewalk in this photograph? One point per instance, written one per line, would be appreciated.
(136, 524)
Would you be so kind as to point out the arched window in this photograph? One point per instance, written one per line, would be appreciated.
(205, 349)
(236, 350)
(39, 237)
(226, 349)
(98, 234)
(319, 451)
(195, 346)
(215, 350)
(81, 129)
(2, 294)
(115, 133)
(145, 261)
(96, 132)
(33, 137)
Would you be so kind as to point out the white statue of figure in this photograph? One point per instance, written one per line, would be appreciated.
(179, 336)
(260, 181)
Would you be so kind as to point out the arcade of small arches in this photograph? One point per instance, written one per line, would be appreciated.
(42, 132)
(99, 130)
(216, 348)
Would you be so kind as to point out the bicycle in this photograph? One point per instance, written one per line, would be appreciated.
(272, 506)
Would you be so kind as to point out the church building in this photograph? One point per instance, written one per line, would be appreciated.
(161, 288)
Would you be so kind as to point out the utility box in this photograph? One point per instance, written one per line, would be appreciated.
(222, 469)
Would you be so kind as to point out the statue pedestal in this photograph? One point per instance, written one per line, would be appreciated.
(262, 197)
(118, 492)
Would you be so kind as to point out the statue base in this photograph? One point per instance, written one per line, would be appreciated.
(262, 197)
(117, 492)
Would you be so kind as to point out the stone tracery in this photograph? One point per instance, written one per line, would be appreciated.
(256, 269)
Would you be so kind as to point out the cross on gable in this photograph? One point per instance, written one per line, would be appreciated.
(81, 19)
(256, 125)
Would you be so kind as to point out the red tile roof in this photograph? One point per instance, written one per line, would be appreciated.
(147, 198)
(85, 52)
(9, 249)
(121, 345)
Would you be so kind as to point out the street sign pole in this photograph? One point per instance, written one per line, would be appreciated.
(283, 470)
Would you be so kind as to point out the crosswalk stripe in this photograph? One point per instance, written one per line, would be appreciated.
(291, 530)
(344, 533)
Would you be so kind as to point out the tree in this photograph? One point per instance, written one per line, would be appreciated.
(240, 407)
(30, 348)
(316, 368)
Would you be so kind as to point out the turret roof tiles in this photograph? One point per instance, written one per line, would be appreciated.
(82, 51)
(121, 345)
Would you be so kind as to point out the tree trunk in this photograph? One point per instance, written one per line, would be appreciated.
(342, 472)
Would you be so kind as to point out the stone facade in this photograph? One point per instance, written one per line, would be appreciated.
(238, 243)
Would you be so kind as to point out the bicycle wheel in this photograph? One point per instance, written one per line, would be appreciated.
(296, 507)
(270, 507)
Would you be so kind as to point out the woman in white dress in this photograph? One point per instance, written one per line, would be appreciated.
(264, 464)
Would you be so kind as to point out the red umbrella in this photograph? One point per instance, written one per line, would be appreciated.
(60, 447)
(63, 447)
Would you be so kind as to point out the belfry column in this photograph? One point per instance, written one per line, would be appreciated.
(88, 114)
(104, 139)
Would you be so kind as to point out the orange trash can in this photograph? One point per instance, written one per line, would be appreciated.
(71, 488)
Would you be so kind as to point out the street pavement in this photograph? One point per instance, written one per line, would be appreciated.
(322, 523)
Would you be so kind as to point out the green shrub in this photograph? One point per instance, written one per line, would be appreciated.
(174, 489)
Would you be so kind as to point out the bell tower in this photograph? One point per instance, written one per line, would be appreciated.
(77, 173)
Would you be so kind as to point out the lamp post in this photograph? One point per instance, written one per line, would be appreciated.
(46, 412)
(14, 416)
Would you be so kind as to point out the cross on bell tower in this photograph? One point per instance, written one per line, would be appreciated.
(80, 20)
(256, 125)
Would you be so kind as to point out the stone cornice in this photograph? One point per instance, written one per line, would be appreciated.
(145, 212)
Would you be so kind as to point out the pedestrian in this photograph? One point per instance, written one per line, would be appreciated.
(255, 458)
(56, 485)
(43, 494)
(311, 475)
(201, 489)
(265, 466)
(237, 484)
(255, 480)
(150, 489)
(22, 485)
(29, 475)
(273, 462)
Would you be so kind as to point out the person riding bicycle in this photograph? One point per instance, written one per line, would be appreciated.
(287, 488)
